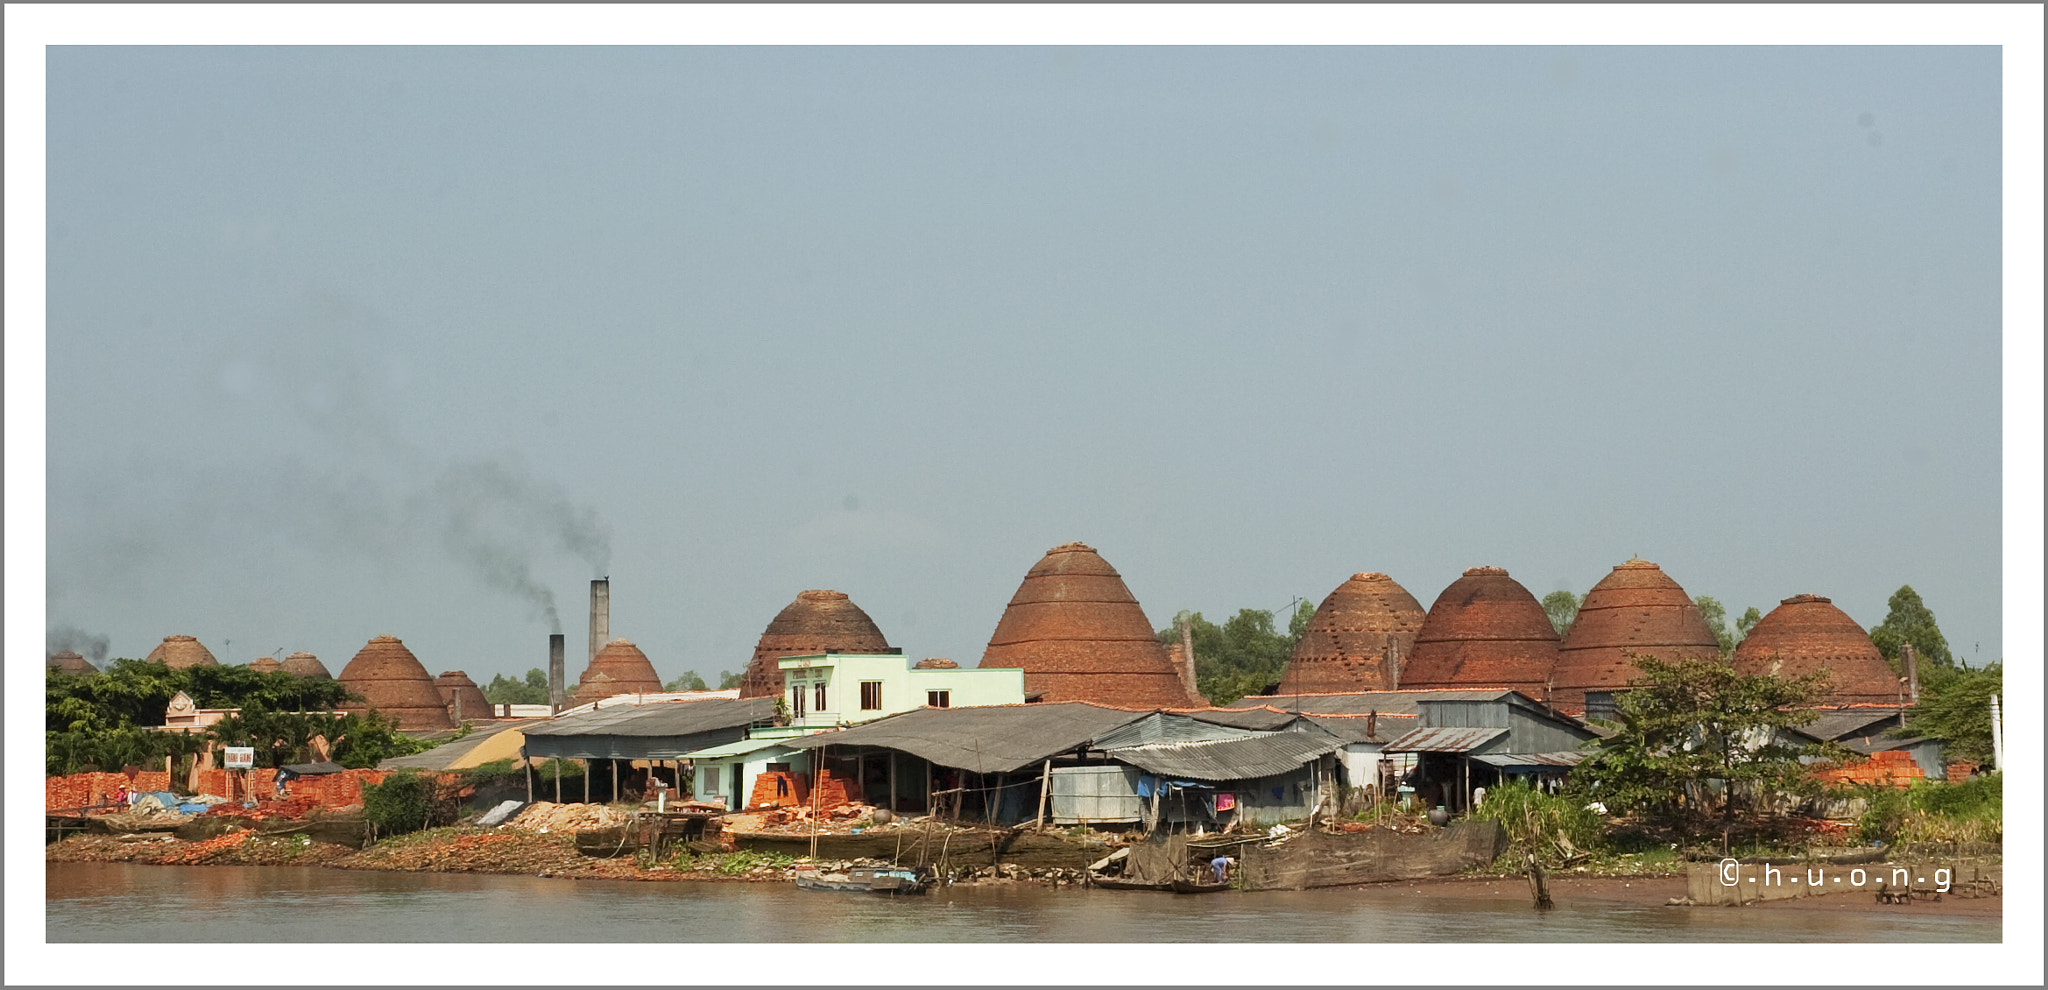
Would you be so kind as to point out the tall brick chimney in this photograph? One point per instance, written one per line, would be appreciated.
(557, 643)
(600, 615)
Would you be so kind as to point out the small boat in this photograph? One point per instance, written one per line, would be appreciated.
(1199, 886)
(1123, 883)
(866, 880)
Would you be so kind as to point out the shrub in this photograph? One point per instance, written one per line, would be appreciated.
(403, 803)
(1534, 820)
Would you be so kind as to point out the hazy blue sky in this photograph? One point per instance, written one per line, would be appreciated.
(355, 341)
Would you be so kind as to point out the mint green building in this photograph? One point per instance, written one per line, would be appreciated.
(832, 690)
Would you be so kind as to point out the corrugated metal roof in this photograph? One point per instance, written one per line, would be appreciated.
(742, 747)
(1161, 727)
(665, 718)
(444, 756)
(1879, 744)
(1362, 702)
(991, 739)
(1837, 725)
(1351, 728)
(1270, 755)
(1531, 759)
(1444, 740)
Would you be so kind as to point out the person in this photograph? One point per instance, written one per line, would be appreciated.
(1478, 796)
(1220, 866)
(121, 797)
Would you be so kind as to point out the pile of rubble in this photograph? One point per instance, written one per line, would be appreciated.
(547, 816)
(843, 820)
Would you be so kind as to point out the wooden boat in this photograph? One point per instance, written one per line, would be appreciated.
(865, 880)
(1120, 883)
(1199, 886)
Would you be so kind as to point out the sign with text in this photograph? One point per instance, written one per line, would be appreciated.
(240, 757)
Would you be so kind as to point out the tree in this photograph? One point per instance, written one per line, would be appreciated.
(1717, 620)
(1748, 621)
(1690, 722)
(1911, 621)
(1562, 607)
(1243, 655)
(728, 679)
(506, 691)
(1958, 711)
(688, 682)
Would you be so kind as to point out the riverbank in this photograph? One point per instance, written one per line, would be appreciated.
(516, 852)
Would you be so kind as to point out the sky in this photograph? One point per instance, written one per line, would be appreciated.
(312, 344)
(346, 341)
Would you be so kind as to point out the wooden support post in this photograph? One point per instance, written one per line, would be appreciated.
(892, 782)
(529, 774)
(615, 780)
(587, 766)
(1538, 888)
(1044, 794)
(557, 764)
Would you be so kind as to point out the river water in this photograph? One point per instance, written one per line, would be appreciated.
(121, 902)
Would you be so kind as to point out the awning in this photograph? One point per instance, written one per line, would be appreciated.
(1444, 740)
(1546, 760)
(740, 748)
(1272, 755)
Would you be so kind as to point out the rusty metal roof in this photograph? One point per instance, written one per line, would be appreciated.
(1247, 758)
(1531, 759)
(1444, 740)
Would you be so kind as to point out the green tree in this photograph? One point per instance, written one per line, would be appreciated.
(508, 691)
(1717, 620)
(1911, 621)
(1957, 710)
(1243, 655)
(1562, 607)
(728, 679)
(688, 682)
(1748, 621)
(1690, 722)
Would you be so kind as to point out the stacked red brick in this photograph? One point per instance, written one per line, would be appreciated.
(70, 662)
(392, 681)
(619, 668)
(1079, 635)
(1484, 631)
(464, 699)
(81, 790)
(307, 665)
(1635, 609)
(1357, 640)
(816, 622)
(1807, 633)
(178, 652)
(1890, 768)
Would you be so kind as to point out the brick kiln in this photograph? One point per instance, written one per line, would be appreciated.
(70, 662)
(392, 681)
(1485, 630)
(816, 622)
(1079, 635)
(307, 665)
(1806, 633)
(1357, 640)
(618, 668)
(464, 699)
(178, 652)
(266, 665)
(1636, 608)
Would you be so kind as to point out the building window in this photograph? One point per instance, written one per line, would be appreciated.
(871, 696)
(819, 699)
(710, 780)
(796, 701)
(939, 699)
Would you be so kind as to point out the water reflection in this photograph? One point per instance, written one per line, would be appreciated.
(116, 902)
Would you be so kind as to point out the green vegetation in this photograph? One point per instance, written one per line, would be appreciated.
(404, 802)
(1689, 724)
(1556, 827)
(1562, 607)
(690, 681)
(733, 863)
(504, 690)
(1935, 811)
(108, 720)
(1911, 621)
(1243, 655)
(1956, 708)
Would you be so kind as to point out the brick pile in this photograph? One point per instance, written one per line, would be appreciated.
(393, 681)
(1959, 772)
(816, 622)
(1078, 634)
(1485, 630)
(1356, 639)
(81, 790)
(1807, 633)
(794, 792)
(1635, 609)
(1890, 768)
